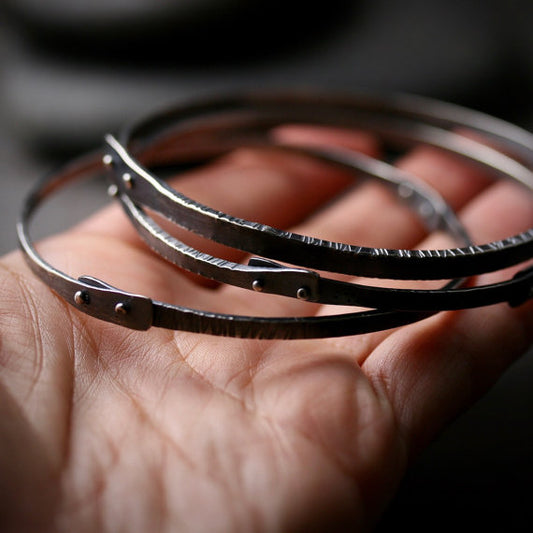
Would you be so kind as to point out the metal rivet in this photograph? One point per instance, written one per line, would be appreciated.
(127, 178)
(302, 293)
(121, 308)
(107, 160)
(426, 210)
(258, 285)
(405, 190)
(112, 190)
(81, 297)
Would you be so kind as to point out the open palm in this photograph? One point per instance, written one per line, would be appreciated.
(107, 429)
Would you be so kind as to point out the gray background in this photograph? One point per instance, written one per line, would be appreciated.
(71, 71)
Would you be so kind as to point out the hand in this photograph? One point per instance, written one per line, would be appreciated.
(108, 429)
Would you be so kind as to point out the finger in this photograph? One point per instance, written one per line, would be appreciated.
(441, 365)
(455, 179)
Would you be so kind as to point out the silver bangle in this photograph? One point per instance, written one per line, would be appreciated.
(399, 121)
(269, 277)
(152, 141)
(222, 124)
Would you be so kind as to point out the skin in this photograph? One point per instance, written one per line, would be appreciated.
(106, 429)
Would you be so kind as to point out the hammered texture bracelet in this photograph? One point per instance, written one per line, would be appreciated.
(283, 262)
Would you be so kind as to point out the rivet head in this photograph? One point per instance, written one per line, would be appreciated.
(426, 210)
(303, 293)
(405, 190)
(112, 190)
(127, 178)
(81, 297)
(121, 308)
(258, 285)
(107, 160)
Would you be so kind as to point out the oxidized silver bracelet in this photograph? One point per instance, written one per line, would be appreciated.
(221, 125)
(398, 121)
(234, 121)
(103, 301)
(269, 277)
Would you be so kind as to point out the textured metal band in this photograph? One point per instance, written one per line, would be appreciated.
(398, 120)
(103, 301)
(269, 277)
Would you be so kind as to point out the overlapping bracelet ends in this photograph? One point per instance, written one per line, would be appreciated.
(289, 264)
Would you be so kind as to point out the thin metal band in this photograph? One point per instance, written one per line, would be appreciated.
(103, 301)
(398, 120)
(270, 277)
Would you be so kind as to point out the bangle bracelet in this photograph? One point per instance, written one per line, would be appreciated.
(397, 120)
(269, 277)
(103, 301)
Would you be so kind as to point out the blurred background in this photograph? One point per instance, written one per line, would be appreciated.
(71, 70)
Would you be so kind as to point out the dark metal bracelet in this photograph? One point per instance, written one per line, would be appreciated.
(269, 277)
(99, 299)
(398, 120)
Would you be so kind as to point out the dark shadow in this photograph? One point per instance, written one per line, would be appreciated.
(235, 33)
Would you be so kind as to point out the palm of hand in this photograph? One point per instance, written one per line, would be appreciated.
(110, 429)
